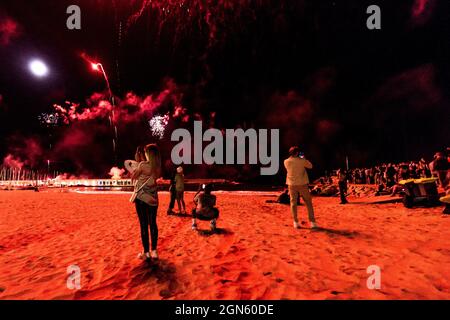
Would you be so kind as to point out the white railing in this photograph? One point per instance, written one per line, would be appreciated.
(68, 183)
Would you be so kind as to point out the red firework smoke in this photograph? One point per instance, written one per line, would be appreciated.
(131, 108)
(9, 30)
(11, 161)
(416, 88)
(421, 11)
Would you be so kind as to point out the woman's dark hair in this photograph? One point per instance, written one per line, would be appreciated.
(153, 156)
(140, 154)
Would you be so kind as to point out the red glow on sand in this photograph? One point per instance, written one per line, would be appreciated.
(238, 263)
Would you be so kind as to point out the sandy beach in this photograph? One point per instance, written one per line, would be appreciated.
(257, 254)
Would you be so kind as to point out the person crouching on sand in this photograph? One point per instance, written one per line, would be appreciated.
(205, 208)
(145, 197)
(297, 181)
(179, 187)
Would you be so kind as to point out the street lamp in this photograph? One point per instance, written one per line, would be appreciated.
(38, 68)
(96, 66)
(99, 67)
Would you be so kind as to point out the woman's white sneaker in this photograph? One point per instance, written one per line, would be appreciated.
(154, 254)
(296, 225)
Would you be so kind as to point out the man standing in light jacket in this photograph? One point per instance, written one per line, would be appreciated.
(297, 181)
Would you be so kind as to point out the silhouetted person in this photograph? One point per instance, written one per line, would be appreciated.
(439, 167)
(342, 182)
(390, 175)
(173, 194)
(179, 187)
(297, 181)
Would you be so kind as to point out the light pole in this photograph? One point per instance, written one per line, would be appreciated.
(40, 70)
(99, 68)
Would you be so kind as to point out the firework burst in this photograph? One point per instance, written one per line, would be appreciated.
(158, 125)
(49, 119)
(214, 19)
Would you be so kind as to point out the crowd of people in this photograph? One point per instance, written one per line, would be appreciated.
(390, 174)
(148, 170)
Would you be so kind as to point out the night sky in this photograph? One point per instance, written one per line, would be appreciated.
(310, 68)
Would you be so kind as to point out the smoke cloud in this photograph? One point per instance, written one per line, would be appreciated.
(11, 161)
(9, 30)
(24, 152)
(415, 88)
(80, 137)
(422, 11)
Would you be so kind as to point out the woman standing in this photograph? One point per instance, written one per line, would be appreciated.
(145, 197)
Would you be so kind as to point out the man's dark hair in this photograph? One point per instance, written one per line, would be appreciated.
(208, 188)
(294, 151)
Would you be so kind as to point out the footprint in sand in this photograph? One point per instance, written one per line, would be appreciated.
(300, 276)
(165, 293)
(170, 291)
(49, 277)
(364, 253)
(242, 275)
(219, 270)
(233, 249)
(197, 270)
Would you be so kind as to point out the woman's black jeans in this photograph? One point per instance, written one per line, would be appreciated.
(147, 217)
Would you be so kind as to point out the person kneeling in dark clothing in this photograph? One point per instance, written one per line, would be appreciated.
(205, 207)
(285, 198)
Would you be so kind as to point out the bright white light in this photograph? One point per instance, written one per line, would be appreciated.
(158, 125)
(38, 68)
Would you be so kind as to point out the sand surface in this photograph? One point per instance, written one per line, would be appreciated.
(257, 254)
